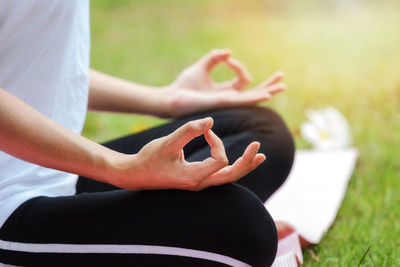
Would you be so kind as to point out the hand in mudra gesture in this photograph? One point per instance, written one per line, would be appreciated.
(194, 90)
(161, 163)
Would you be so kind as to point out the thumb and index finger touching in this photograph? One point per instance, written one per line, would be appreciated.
(190, 130)
(218, 56)
(212, 171)
(243, 77)
(187, 132)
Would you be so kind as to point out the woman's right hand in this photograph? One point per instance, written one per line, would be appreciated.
(29, 135)
(161, 164)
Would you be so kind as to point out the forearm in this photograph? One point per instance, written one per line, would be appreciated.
(29, 135)
(112, 94)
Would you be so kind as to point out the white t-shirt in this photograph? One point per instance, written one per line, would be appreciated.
(44, 60)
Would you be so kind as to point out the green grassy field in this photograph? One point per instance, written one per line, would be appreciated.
(347, 57)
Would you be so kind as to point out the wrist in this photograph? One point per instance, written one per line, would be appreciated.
(170, 97)
(114, 167)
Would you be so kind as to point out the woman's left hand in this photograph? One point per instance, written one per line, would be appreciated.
(194, 90)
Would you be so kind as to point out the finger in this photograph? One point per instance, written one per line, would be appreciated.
(251, 97)
(273, 79)
(258, 159)
(262, 93)
(227, 85)
(201, 170)
(276, 88)
(243, 77)
(225, 175)
(217, 146)
(190, 130)
(218, 159)
(243, 165)
(214, 58)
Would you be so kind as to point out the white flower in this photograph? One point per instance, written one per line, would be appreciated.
(326, 129)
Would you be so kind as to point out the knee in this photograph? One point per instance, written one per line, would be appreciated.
(265, 120)
(227, 220)
(271, 131)
(247, 230)
(267, 127)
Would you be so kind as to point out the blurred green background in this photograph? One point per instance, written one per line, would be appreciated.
(334, 52)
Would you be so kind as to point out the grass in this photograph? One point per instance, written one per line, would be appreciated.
(347, 57)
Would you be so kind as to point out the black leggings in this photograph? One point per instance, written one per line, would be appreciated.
(105, 226)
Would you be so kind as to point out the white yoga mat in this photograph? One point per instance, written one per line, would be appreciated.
(314, 190)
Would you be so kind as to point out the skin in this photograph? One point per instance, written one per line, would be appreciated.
(29, 135)
(284, 229)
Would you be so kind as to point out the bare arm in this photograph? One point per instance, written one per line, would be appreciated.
(108, 93)
(29, 135)
(192, 91)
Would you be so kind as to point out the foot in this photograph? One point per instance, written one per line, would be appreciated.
(284, 229)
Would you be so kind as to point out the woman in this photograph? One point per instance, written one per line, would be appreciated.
(51, 216)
